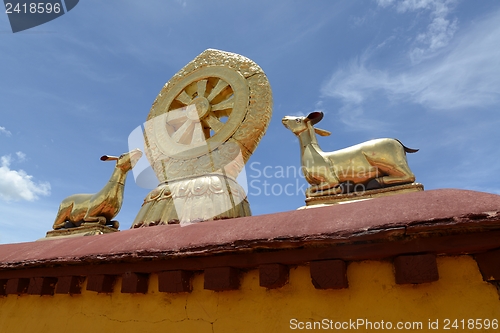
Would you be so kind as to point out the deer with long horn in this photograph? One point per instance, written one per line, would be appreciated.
(101, 207)
(368, 165)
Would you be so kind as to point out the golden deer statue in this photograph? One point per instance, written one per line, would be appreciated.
(368, 165)
(101, 207)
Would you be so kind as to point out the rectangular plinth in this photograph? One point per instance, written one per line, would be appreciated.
(85, 230)
(362, 195)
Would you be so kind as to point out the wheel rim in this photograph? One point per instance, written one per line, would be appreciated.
(218, 102)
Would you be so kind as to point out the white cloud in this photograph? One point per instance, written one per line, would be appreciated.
(385, 3)
(440, 30)
(5, 131)
(21, 156)
(466, 77)
(17, 184)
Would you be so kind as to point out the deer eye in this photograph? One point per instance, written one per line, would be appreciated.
(297, 120)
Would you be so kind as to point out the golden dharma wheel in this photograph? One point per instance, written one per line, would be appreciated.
(218, 102)
(201, 130)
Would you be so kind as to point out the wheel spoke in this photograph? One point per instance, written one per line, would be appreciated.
(182, 126)
(214, 123)
(227, 104)
(183, 134)
(198, 135)
(201, 87)
(176, 117)
(222, 113)
(184, 98)
(221, 85)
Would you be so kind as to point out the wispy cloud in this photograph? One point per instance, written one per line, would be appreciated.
(440, 30)
(21, 156)
(466, 76)
(17, 184)
(16, 214)
(3, 130)
(183, 3)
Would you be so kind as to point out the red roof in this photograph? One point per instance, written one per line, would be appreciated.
(371, 220)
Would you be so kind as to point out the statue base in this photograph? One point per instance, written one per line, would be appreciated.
(85, 230)
(193, 200)
(328, 200)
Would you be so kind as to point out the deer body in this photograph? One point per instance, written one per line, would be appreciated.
(381, 160)
(102, 206)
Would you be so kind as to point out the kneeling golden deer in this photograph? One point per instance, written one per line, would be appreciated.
(101, 207)
(372, 164)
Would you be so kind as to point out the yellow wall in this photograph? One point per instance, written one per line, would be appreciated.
(372, 295)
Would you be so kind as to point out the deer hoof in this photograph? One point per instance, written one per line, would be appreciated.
(68, 225)
(373, 185)
(113, 224)
(346, 188)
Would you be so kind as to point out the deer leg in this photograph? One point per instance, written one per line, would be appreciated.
(94, 220)
(391, 170)
(328, 181)
(62, 215)
(396, 174)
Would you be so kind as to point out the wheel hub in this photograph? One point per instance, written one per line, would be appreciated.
(198, 108)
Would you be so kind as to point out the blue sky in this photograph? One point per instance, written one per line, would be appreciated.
(424, 71)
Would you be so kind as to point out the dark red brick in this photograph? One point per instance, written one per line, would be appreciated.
(222, 278)
(69, 284)
(3, 286)
(419, 268)
(135, 283)
(329, 274)
(175, 281)
(17, 286)
(273, 275)
(42, 285)
(101, 283)
(489, 265)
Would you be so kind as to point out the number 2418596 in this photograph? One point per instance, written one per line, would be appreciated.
(33, 8)
(471, 324)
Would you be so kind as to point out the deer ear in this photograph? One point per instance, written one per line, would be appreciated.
(108, 158)
(315, 117)
(321, 132)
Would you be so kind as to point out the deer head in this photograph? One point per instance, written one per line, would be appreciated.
(299, 124)
(125, 161)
